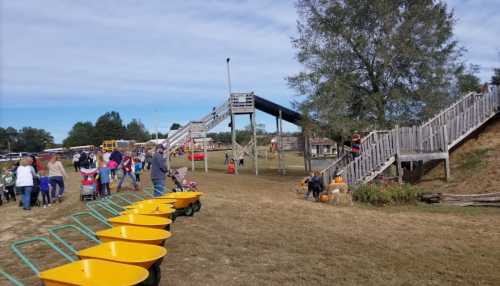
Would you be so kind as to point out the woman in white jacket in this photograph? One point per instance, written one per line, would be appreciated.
(25, 174)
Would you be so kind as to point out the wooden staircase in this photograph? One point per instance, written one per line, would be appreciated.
(431, 140)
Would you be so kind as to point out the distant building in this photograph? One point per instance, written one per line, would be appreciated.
(322, 147)
(290, 143)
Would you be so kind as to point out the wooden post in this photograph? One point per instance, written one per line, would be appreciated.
(205, 153)
(282, 161)
(255, 154)
(447, 160)
(191, 146)
(233, 140)
(398, 154)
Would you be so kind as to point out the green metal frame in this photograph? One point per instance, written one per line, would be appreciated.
(14, 247)
(53, 232)
(76, 218)
(113, 205)
(127, 202)
(95, 206)
(10, 278)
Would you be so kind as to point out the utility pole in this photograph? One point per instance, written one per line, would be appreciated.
(233, 123)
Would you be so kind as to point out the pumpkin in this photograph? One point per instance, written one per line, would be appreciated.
(339, 180)
(323, 198)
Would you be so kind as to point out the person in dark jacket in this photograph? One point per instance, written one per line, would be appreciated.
(115, 156)
(316, 185)
(158, 171)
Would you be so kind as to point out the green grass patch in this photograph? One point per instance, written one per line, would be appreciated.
(383, 195)
(474, 159)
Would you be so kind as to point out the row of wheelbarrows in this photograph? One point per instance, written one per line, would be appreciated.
(129, 252)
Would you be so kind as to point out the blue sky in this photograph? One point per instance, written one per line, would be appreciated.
(164, 61)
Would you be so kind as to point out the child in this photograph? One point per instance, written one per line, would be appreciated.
(104, 178)
(44, 188)
(9, 182)
(137, 169)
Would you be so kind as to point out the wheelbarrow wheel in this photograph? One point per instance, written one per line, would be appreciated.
(154, 277)
(197, 206)
(189, 210)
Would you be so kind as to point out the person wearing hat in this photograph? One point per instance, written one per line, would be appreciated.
(158, 171)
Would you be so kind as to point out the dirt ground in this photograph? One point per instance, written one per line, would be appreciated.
(257, 231)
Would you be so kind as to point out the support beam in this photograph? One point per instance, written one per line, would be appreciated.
(191, 147)
(255, 153)
(205, 153)
(447, 171)
(233, 140)
(398, 155)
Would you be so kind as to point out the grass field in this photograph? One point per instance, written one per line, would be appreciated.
(257, 231)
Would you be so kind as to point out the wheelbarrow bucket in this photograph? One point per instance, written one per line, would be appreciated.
(139, 254)
(94, 272)
(140, 220)
(134, 234)
(159, 211)
(157, 201)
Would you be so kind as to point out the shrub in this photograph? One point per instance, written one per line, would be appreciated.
(381, 195)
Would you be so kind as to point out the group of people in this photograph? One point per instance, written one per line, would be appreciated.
(28, 178)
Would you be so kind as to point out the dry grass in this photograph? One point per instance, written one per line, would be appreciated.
(475, 165)
(256, 231)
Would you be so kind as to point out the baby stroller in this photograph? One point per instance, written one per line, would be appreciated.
(88, 184)
(181, 184)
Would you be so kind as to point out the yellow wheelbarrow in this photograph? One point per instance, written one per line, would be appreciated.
(140, 220)
(152, 210)
(156, 201)
(123, 233)
(186, 202)
(144, 255)
(82, 272)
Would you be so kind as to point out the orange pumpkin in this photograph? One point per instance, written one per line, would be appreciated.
(323, 198)
(339, 180)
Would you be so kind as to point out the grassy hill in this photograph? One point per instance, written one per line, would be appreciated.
(475, 165)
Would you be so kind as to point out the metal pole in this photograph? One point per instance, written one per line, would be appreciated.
(205, 153)
(191, 146)
(282, 162)
(228, 75)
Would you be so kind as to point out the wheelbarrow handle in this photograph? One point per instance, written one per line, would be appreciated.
(54, 233)
(14, 247)
(76, 218)
(10, 278)
(113, 205)
(94, 206)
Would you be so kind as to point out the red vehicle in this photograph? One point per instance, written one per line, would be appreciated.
(197, 156)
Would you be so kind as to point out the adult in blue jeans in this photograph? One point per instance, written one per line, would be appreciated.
(158, 171)
(56, 177)
(25, 175)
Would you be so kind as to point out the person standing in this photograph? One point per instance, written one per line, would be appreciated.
(158, 171)
(226, 158)
(127, 171)
(25, 175)
(316, 185)
(76, 161)
(9, 181)
(56, 177)
(104, 179)
(116, 157)
(149, 159)
(137, 169)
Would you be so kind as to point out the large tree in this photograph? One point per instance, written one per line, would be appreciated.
(495, 79)
(82, 133)
(373, 63)
(109, 126)
(467, 81)
(136, 131)
(33, 140)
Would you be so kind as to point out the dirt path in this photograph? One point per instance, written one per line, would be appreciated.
(255, 231)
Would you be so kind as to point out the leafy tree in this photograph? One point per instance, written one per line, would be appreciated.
(136, 131)
(468, 82)
(82, 133)
(109, 126)
(175, 126)
(371, 64)
(495, 79)
(33, 140)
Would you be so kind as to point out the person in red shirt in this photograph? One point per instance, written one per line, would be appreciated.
(127, 171)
